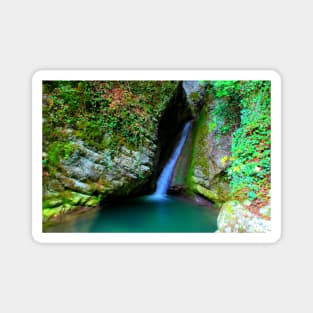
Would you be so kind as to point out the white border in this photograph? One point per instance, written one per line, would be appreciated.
(41, 237)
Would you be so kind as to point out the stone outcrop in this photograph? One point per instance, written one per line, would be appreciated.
(89, 176)
(234, 217)
(204, 159)
(195, 91)
(210, 156)
(205, 155)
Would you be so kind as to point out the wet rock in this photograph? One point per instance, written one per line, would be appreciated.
(202, 201)
(177, 189)
(206, 192)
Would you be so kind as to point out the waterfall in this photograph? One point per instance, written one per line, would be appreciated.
(165, 177)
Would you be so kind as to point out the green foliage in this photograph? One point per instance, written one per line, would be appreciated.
(243, 107)
(55, 152)
(251, 148)
(226, 110)
(104, 114)
(226, 88)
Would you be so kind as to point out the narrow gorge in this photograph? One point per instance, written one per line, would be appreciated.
(156, 156)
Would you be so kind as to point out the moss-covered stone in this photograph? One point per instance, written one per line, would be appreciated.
(208, 194)
(206, 175)
(235, 217)
(61, 203)
(93, 201)
(52, 203)
(48, 213)
(195, 92)
(194, 96)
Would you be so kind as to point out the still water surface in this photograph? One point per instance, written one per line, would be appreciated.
(145, 214)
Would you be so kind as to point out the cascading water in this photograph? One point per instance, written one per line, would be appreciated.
(164, 179)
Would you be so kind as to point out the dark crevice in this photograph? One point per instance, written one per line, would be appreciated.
(171, 125)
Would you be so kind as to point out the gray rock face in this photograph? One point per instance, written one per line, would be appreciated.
(194, 91)
(235, 218)
(210, 160)
(89, 172)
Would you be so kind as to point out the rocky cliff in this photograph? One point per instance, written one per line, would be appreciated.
(80, 170)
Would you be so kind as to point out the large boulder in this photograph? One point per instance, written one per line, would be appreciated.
(234, 217)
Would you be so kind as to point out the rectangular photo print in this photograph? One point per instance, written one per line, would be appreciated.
(156, 156)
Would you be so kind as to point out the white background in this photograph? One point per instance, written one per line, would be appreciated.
(161, 34)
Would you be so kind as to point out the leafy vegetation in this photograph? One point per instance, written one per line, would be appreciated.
(243, 107)
(225, 115)
(104, 114)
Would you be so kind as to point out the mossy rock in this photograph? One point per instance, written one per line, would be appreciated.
(208, 194)
(68, 200)
(48, 213)
(52, 203)
(93, 201)
(207, 172)
(235, 217)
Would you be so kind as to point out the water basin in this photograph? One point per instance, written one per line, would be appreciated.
(154, 214)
